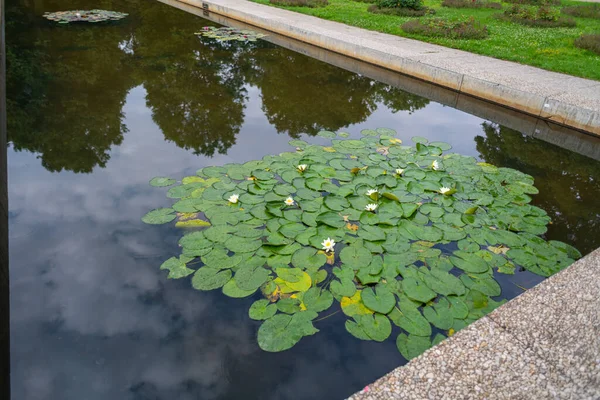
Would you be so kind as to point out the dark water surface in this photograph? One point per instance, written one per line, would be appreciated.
(96, 111)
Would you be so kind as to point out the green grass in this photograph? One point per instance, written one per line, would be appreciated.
(548, 48)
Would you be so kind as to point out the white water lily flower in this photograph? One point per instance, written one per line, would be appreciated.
(302, 167)
(371, 191)
(371, 207)
(435, 165)
(444, 190)
(289, 201)
(328, 244)
(234, 198)
(399, 171)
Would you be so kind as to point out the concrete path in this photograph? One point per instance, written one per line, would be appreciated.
(564, 99)
(545, 344)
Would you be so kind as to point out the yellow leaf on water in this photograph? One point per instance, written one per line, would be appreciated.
(451, 332)
(290, 287)
(498, 249)
(274, 296)
(354, 306)
(193, 223)
(352, 227)
(425, 243)
(395, 141)
(329, 149)
(191, 179)
(383, 150)
(186, 216)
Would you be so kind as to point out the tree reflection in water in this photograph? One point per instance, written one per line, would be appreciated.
(68, 85)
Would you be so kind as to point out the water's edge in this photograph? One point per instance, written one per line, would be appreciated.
(567, 138)
(4, 297)
(298, 26)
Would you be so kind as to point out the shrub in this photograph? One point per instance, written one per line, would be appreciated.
(300, 3)
(471, 4)
(412, 4)
(535, 2)
(587, 11)
(544, 17)
(589, 42)
(463, 28)
(401, 11)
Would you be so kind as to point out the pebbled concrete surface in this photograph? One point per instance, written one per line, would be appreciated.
(545, 344)
(565, 99)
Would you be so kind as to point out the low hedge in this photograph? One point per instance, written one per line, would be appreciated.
(589, 42)
(471, 4)
(463, 28)
(543, 17)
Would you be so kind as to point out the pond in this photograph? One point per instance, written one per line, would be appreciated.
(96, 111)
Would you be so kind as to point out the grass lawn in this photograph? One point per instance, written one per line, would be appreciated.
(548, 48)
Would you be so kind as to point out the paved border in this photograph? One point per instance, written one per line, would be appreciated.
(544, 344)
(563, 99)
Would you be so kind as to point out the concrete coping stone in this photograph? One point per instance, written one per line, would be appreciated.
(544, 344)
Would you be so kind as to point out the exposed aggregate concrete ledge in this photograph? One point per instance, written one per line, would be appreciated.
(544, 344)
(564, 99)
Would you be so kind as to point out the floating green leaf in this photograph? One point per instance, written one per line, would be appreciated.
(159, 216)
(412, 346)
(262, 309)
(380, 300)
(177, 267)
(160, 181)
(376, 326)
(282, 332)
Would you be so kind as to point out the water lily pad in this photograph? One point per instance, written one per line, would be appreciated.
(249, 277)
(210, 278)
(282, 332)
(356, 257)
(232, 289)
(316, 299)
(376, 326)
(226, 34)
(411, 320)
(177, 267)
(262, 309)
(159, 216)
(380, 300)
(417, 290)
(308, 258)
(412, 346)
(161, 181)
(343, 288)
(65, 17)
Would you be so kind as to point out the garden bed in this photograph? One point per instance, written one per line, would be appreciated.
(589, 42)
(542, 17)
(471, 4)
(464, 28)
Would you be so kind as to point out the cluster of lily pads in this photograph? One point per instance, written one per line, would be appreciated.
(225, 34)
(397, 235)
(65, 17)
